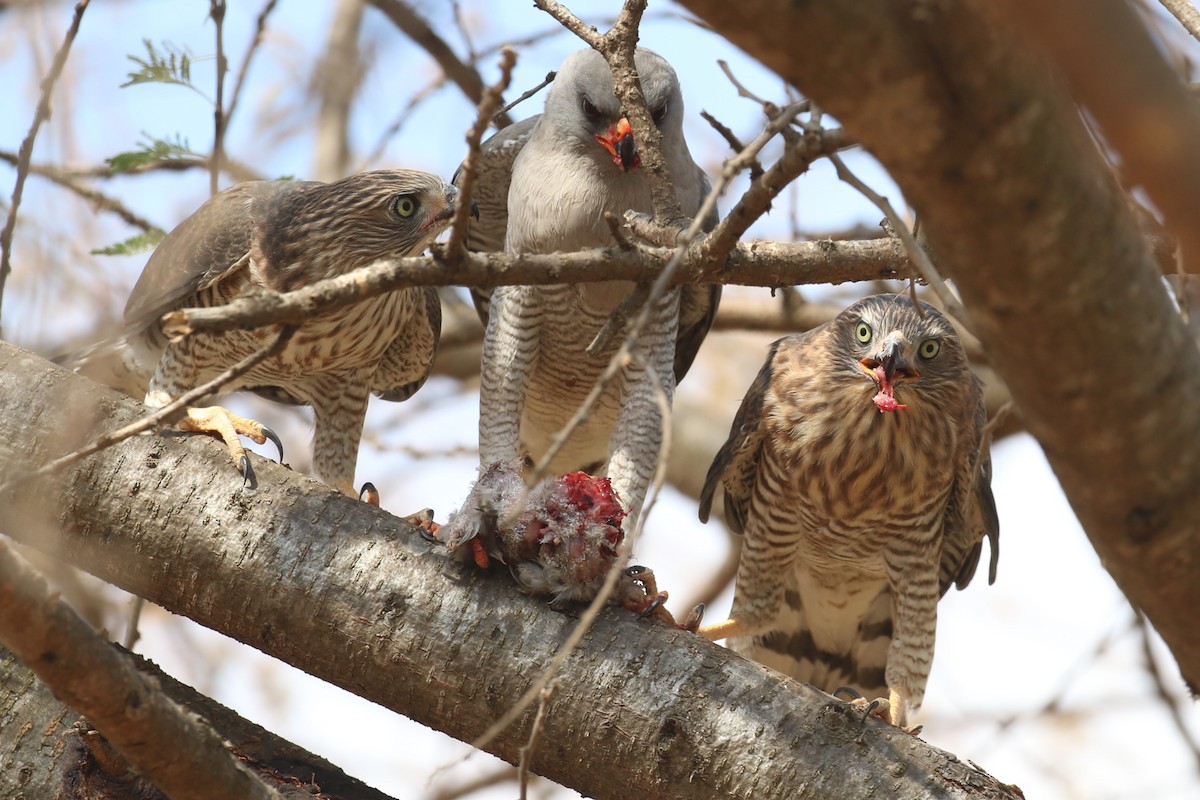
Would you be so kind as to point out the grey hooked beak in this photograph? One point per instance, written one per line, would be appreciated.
(891, 357)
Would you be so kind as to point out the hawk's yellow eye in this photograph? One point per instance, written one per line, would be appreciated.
(929, 348)
(406, 205)
(863, 332)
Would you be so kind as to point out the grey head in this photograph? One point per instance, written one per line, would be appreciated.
(583, 111)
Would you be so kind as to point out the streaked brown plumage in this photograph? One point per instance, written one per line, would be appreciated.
(544, 186)
(284, 235)
(857, 472)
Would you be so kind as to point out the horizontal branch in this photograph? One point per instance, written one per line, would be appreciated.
(768, 264)
(356, 597)
(772, 264)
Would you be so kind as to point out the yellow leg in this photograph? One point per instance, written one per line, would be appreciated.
(728, 628)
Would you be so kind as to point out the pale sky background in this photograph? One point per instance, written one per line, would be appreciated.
(1053, 626)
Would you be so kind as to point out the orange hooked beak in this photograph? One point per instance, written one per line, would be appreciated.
(618, 141)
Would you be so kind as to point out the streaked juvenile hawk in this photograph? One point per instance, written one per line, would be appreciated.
(857, 472)
(285, 235)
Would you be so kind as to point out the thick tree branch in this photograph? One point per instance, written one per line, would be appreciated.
(355, 596)
(1139, 104)
(128, 709)
(1023, 213)
(41, 746)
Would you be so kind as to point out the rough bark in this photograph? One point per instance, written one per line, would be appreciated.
(353, 595)
(44, 755)
(1026, 217)
(129, 711)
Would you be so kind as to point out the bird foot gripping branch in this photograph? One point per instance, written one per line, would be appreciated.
(229, 426)
(559, 538)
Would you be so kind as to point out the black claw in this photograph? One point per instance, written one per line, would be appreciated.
(270, 434)
(636, 570)
(244, 468)
(369, 494)
(874, 704)
(849, 691)
(428, 536)
(655, 604)
(694, 618)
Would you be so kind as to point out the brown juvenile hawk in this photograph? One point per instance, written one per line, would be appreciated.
(857, 472)
(284, 235)
(544, 186)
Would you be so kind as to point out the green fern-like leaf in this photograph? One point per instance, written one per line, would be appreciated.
(133, 245)
(152, 149)
(173, 65)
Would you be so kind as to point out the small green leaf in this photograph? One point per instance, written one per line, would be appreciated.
(152, 149)
(172, 66)
(133, 245)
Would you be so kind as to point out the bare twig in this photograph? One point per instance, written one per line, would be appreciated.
(741, 88)
(335, 81)
(217, 12)
(130, 711)
(26, 150)
(546, 81)
(160, 415)
(465, 76)
(485, 781)
(71, 182)
(493, 96)
(260, 27)
(460, 22)
(795, 161)
(916, 253)
(571, 22)
(610, 580)
(1185, 11)
(735, 144)
(136, 604)
(1161, 691)
(402, 116)
(535, 731)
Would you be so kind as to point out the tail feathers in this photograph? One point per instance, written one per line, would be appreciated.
(791, 649)
(118, 363)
